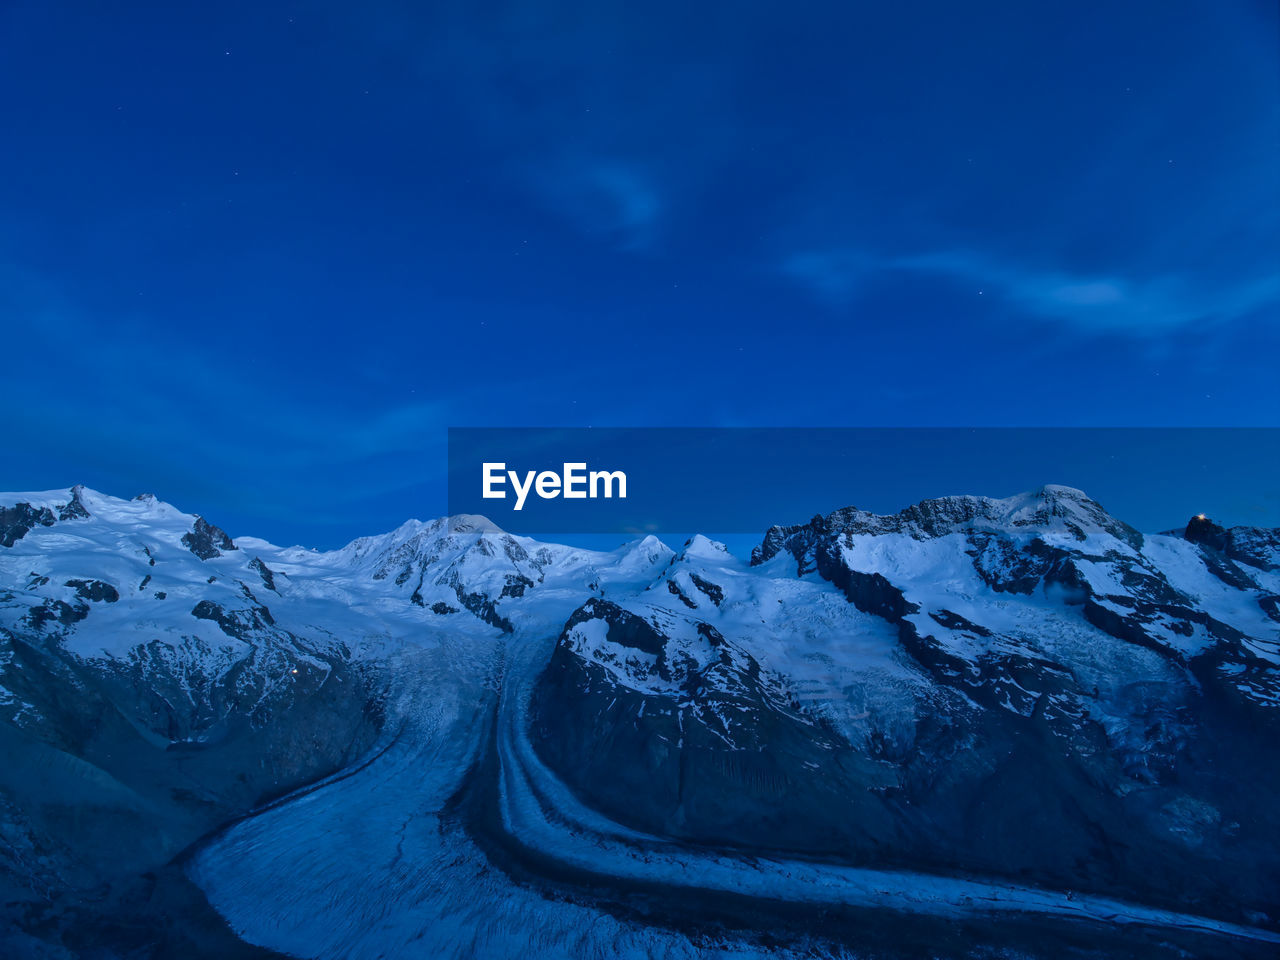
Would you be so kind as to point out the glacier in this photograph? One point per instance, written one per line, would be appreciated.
(979, 727)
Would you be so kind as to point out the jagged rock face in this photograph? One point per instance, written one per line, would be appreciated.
(74, 509)
(1078, 691)
(17, 521)
(1251, 545)
(266, 573)
(1050, 508)
(207, 541)
(699, 744)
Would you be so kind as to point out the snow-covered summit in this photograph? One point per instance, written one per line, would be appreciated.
(1052, 509)
(971, 685)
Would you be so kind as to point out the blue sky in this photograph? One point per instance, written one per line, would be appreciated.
(258, 257)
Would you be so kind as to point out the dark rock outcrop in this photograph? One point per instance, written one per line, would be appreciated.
(266, 573)
(74, 509)
(207, 541)
(1255, 546)
(96, 591)
(713, 591)
(16, 521)
(241, 624)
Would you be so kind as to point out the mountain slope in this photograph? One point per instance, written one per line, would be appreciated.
(1067, 700)
(975, 710)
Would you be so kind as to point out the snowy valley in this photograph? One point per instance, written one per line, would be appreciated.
(976, 728)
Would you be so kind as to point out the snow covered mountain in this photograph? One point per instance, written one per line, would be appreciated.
(1027, 727)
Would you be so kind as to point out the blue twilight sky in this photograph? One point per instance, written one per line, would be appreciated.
(256, 257)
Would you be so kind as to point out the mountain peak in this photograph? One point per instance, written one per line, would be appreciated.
(1200, 529)
(1256, 546)
(471, 523)
(704, 547)
(1061, 490)
(644, 552)
(1052, 507)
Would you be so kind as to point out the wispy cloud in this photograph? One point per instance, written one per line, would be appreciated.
(1105, 303)
(834, 276)
(620, 201)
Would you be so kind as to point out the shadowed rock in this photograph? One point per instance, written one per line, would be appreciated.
(16, 522)
(207, 541)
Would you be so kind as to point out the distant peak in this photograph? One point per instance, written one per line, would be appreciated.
(1200, 529)
(1050, 490)
(647, 550)
(700, 546)
(647, 542)
(75, 509)
(1049, 507)
(207, 541)
(471, 523)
